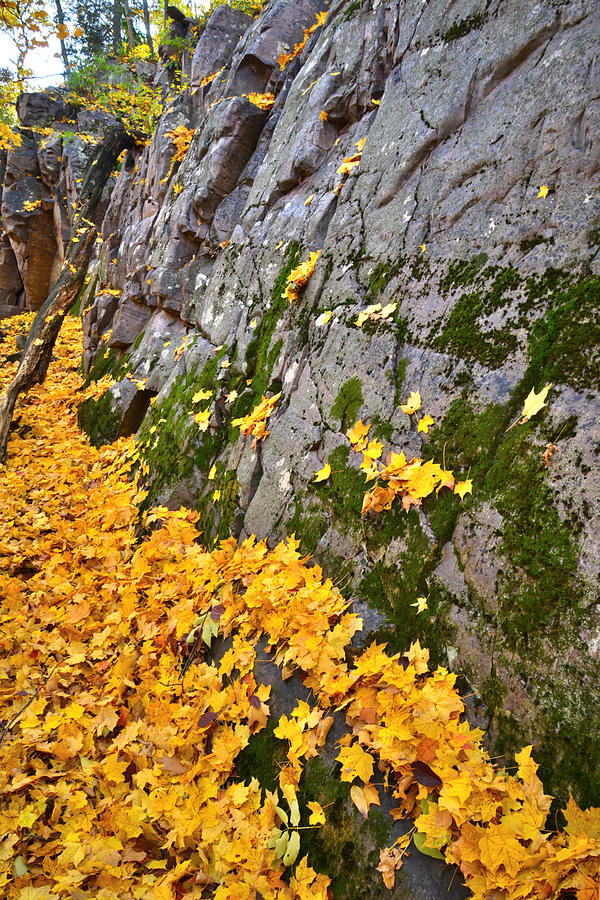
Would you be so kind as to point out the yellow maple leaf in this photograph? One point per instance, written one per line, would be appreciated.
(356, 763)
(358, 432)
(543, 192)
(317, 816)
(299, 277)
(425, 424)
(364, 797)
(412, 404)
(421, 604)
(534, 403)
(463, 487)
(323, 474)
(202, 418)
(323, 116)
(201, 395)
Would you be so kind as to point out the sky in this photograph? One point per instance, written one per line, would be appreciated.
(47, 68)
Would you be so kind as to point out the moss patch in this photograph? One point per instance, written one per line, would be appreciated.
(107, 363)
(262, 758)
(347, 403)
(176, 446)
(260, 355)
(460, 336)
(100, 420)
(565, 344)
(462, 27)
(346, 843)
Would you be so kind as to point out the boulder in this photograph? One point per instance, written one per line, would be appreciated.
(42, 108)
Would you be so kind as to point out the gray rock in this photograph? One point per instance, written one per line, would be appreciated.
(11, 286)
(129, 321)
(217, 43)
(43, 108)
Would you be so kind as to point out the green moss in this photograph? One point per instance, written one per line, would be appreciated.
(347, 403)
(460, 334)
(493, 692)
(176, 446)
(539, 590)
(138, 340)
(107, 363)
(382, 275)
(352, 9)
(528, 244)
(541, 608)
(394, 588)
(218, 514)
(462, 27)
(343, 491)
(381, 429)
(99, 420)
(463, 273)
(263, 757)
(308, 523)
(260, 356)
(346, 843)
(565, 344)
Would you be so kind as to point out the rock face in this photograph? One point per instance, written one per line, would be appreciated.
(40, 189)
(11, 286)
(468, 108)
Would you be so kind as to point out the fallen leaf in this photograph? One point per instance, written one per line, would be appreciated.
(425, 424)
(323, 474)
(421, 604)
(463, 487)
(412, 404)
(534, 403)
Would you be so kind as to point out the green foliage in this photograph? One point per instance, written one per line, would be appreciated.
(112, 86)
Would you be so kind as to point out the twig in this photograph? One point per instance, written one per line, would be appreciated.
(31, 699)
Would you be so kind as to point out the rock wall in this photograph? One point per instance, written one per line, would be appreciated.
(468, 107)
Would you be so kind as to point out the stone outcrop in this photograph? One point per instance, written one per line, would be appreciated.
(467, 109)
(11, 286)
(40, 191)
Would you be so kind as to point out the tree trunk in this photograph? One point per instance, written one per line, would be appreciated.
(47, 323)
(147, 25)
(129, 21)
(116, 27)
(63, 46)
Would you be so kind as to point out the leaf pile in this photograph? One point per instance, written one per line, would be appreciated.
(411, 480)
(298, 277)
(120, 729)
(255, 422)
